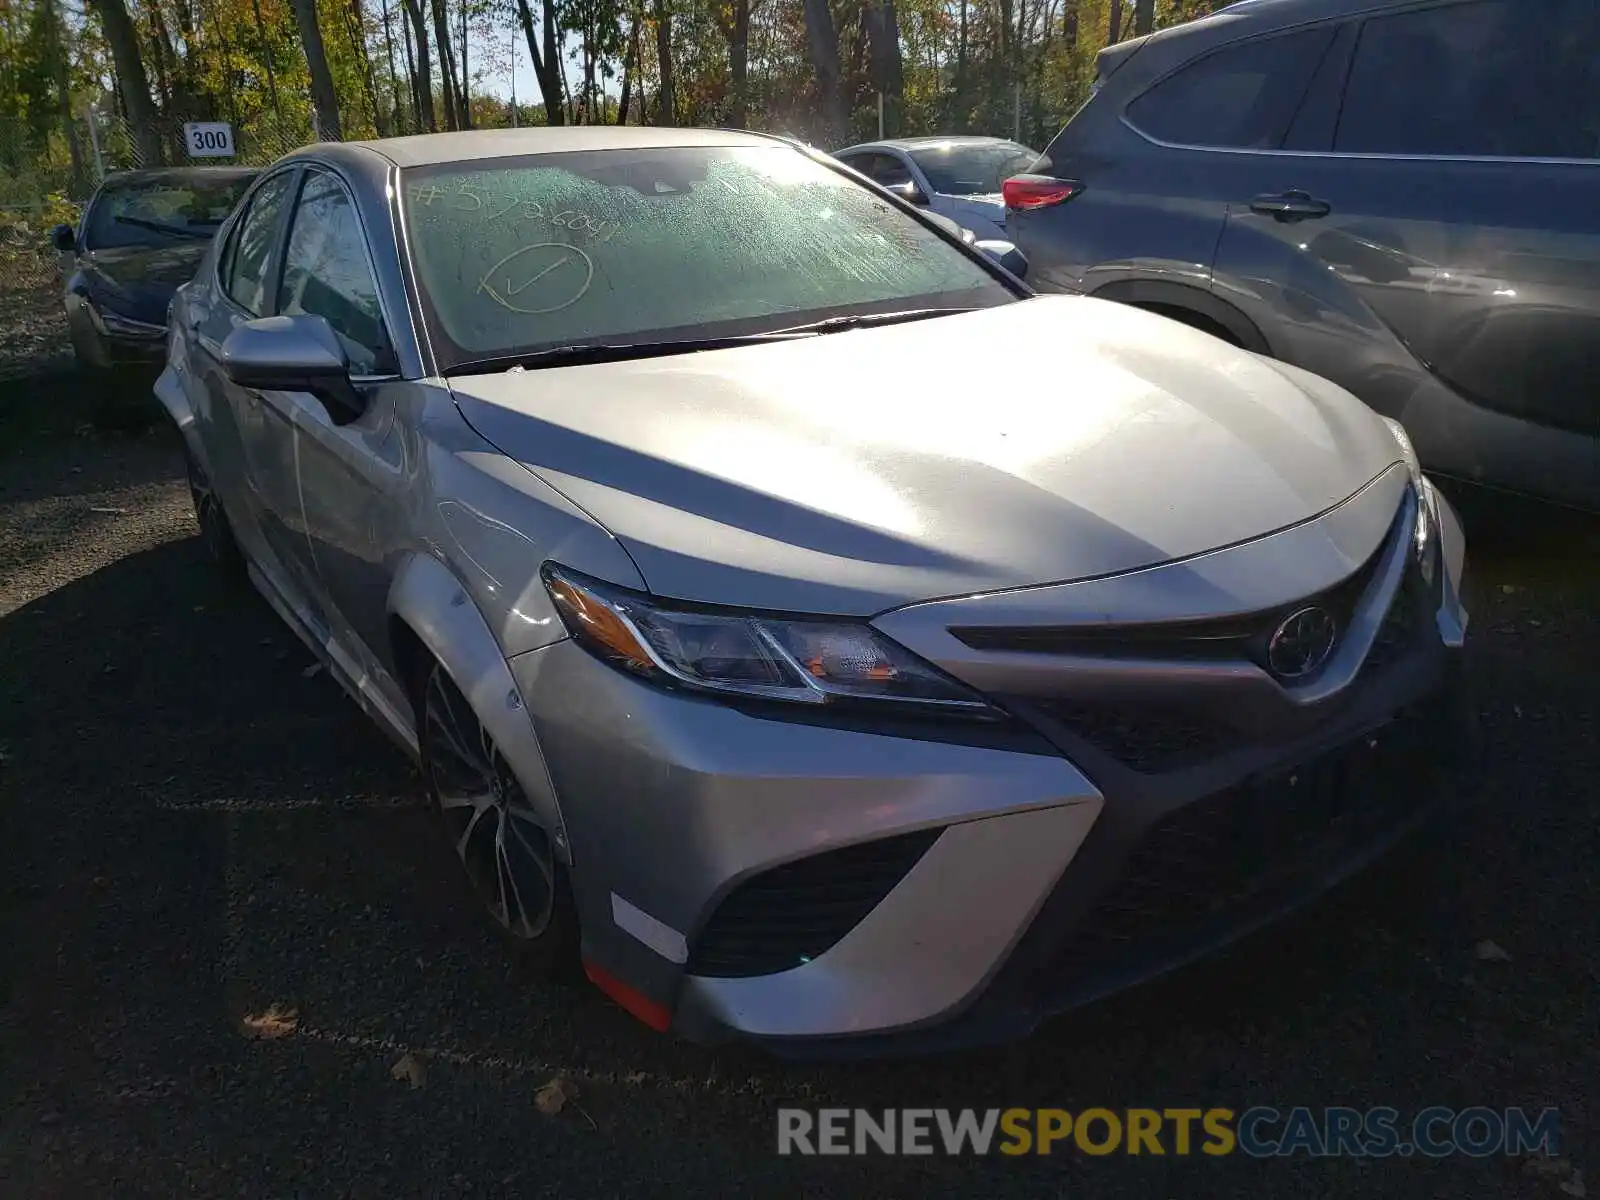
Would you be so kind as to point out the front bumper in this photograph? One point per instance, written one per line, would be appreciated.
(1016, 886)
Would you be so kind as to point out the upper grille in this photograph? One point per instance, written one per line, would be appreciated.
(1398, 632)
(789, 915)
(1147, 739)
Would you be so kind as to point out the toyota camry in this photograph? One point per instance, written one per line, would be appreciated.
(772, 655)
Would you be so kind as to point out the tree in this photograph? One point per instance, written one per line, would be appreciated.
(447, 66)
(1144, 17)
(323, 97)
(666, 96)
(823, 39)
(883, 35)
(545, 63)
(132, 83)
(422, 80)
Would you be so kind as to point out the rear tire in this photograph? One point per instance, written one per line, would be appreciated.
(507, 855)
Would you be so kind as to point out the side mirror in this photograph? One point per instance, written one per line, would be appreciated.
(63, 239)
(909, 192)
(294, 354)
(1006, 254)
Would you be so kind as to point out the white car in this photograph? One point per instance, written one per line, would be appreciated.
(956, 177)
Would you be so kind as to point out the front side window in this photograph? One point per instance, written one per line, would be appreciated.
(1241, 97)
(161, 211)
(250, 254)
(972, 169)
(1482, 79)
(326, 273)
(518, 255)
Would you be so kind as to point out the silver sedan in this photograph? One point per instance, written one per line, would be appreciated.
(782, 637)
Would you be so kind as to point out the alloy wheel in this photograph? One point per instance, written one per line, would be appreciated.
(496, 834)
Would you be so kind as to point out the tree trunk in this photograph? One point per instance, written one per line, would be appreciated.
(888, 68)
(447, 66)
(396, 121)
(423, 79)
(464, 87)
(1144, 17)
(543, 63)
(630, 63)
(264, 49)
(739, 65)
(1115, 33)
(823, 39)
(132, 83)
(323, 98)
(355, 26)
(666, 96)
(960, 122)
(59, 80)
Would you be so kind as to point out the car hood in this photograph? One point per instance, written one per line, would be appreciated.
(990, 210)
(140, 280)
(855, 472)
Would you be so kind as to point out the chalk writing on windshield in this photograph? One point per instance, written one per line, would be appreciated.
(560, 273)
(496, 205)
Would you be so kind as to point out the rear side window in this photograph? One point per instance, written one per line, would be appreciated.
(1489, 78)
(1241, 96)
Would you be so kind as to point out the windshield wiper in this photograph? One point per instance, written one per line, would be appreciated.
(867, 320)
(580, 353)
(159, 227)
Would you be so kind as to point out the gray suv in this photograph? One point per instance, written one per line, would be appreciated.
(1401, 196)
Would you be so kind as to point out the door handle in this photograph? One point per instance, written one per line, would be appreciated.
(1290, 206)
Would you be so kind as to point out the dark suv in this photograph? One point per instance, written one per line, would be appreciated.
(1401, 196)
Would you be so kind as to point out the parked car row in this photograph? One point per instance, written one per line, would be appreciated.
(767, 656)
(1398, 195)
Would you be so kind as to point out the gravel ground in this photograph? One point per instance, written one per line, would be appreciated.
(195, 832)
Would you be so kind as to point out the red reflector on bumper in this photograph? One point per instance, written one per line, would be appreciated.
(1024, 192)
(657, 1016)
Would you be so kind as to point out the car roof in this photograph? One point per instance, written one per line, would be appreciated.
(922, 143)
(1271, 13)
(153, 174)
(425, 149)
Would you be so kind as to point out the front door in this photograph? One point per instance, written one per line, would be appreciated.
(348, 473)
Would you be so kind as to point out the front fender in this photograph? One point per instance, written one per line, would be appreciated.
(436, 607)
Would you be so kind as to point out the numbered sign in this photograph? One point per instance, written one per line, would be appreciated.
(208, 139)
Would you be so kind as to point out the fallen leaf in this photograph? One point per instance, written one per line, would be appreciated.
(1574, 1186)
(1488, 951)
(1508, 589)
(269, 1026)
(553, 1096)
(410, 1069)
(310, 672)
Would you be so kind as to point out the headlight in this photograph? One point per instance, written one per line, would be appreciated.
(1425, 538)
(1407, 451)
(115, 322)
(732, 653)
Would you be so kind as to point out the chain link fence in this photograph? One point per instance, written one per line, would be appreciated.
(115, 145)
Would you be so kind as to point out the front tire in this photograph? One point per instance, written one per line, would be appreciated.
(215, 532)
(506, 852)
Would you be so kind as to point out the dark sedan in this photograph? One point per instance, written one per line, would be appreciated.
(141, 237)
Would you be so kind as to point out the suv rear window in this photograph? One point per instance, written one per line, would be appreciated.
(1488, 78)
(1240, 96)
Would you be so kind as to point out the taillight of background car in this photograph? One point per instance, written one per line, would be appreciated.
(1025, 192)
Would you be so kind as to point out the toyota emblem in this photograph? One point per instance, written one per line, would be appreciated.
(1302, 643)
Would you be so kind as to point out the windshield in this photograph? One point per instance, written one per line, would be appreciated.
(159, 212)
(624, 246)
(972, 168)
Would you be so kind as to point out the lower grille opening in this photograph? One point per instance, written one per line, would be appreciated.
(787, 916)
(1224, 853)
